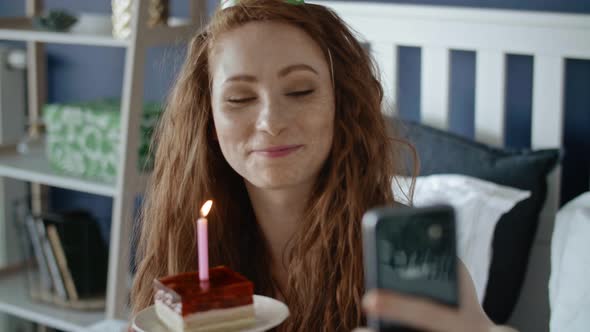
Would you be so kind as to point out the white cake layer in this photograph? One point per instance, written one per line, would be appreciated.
(217, 320)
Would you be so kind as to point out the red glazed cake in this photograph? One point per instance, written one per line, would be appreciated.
(224, 303)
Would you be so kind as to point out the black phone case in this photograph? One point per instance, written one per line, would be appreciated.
(371, 223)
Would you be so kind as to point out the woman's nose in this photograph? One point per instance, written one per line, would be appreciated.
(272, 118)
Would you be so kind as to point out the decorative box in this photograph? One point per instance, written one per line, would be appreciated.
(83, 139)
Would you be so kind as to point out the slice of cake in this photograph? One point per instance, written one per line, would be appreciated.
(224, 303)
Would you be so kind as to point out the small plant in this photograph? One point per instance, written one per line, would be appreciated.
(55, 20)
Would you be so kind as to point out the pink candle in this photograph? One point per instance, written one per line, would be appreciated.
(203, 242)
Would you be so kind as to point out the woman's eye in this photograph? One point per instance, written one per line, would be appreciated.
(300, 93)
(240, 100)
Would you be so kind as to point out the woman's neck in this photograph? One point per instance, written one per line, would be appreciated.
(278, 213)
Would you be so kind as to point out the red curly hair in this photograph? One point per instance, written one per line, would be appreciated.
(325, 282)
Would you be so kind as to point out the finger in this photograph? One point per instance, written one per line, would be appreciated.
(502, 328)
(362, 329)
(410, 310)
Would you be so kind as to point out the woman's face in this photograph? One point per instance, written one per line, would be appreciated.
(273, 103)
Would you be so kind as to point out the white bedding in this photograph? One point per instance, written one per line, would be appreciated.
(569, 284)
(478, 207)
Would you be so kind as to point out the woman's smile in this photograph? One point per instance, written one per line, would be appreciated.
(277, 151)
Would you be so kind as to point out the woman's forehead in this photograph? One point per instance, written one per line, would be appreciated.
(256, 46)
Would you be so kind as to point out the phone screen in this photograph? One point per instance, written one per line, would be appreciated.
(416, 254)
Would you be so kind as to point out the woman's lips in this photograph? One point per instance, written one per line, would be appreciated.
(278, 151)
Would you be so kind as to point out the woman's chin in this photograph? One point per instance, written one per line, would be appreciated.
(276, 181)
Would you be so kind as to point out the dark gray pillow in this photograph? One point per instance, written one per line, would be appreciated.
(444, 152)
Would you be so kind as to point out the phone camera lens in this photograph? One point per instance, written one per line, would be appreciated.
(435, 232)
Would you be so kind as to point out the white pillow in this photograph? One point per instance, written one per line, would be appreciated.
(478, 206)
(569, 291)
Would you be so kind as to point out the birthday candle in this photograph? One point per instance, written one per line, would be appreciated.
(203, 242)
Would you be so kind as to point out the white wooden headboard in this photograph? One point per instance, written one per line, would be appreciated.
(550, 38)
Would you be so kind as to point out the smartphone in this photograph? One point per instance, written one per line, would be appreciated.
(412, 251)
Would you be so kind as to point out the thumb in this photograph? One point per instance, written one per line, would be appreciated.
(362, 329)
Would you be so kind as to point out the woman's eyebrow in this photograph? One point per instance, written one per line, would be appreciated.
(241, 78)
(289, 69)
(284, 72)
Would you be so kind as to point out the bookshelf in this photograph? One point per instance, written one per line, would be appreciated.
(21, 29)
(16, 301)
(33, 168)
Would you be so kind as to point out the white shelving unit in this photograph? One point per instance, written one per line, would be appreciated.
(34, 168)
(16, 301)
(21, 29)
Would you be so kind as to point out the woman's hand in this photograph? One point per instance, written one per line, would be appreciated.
(429, 316)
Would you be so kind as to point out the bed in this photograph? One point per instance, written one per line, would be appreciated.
(550, 38)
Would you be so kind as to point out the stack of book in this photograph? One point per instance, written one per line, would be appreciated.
(72, 260)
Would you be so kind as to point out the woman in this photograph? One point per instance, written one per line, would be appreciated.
(276, 116)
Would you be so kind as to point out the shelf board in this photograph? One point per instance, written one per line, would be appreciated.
(21, 29)
(15, 300)
(34, 167)
(110, 325)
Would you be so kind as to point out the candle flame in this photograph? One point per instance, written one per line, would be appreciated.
(206, 208)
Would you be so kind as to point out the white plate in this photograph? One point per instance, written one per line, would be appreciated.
(268, 313)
